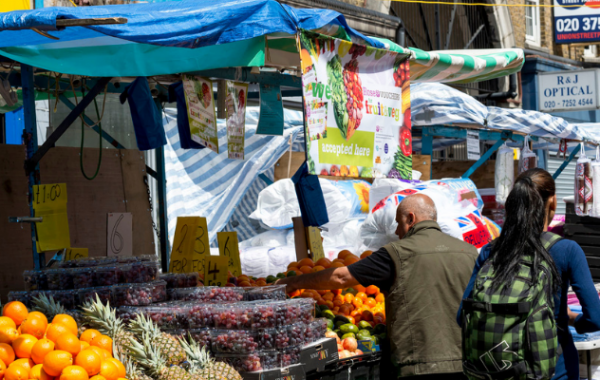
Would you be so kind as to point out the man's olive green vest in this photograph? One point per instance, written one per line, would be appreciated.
(432, 272)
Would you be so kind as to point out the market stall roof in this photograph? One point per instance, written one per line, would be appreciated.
(176, 37)
(437, 104)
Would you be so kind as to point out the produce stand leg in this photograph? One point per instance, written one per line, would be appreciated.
(30, 139)
(427, 146)
(486, 156)
(589, 364)
(162, 203)
(566, 162)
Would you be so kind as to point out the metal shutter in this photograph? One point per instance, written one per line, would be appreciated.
(565, 181)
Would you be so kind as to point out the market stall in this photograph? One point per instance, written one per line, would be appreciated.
(68, 51)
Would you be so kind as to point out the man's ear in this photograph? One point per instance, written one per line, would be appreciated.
(412, 218)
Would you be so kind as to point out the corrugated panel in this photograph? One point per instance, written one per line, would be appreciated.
(564, 182)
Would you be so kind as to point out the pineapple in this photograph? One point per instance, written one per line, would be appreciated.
(151, 358)
(202, 364)
(104, 319)
(167, 344)
(133, 371)
(48, 306)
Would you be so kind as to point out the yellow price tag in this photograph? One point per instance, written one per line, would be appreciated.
(76, 253)
(215, 272)
(315, 243)
(50, 203)
(13, 5)
(190, 245)
(229, 247)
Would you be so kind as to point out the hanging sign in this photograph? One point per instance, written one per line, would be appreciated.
(315, 243)
(235, 105)
(229, 247)
(190, 245)
(76, 253)
(119, 234)
(215, 272)
(50, 203)
(357, 107)
(473, 148)
(202, 117)
(270, 120)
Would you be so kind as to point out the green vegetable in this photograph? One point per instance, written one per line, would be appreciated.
(291, 274)
(403, 164)
(349, 327)
(280, 275)
(330, 324)
(271, 279)
(349, 335)
(363, 335)
(329, 315)
(338, 94)
(364, 325)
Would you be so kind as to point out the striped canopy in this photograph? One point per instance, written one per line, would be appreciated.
(177, 37)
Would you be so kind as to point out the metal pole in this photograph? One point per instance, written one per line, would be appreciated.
(31, 141)
(162, 203)
(438, 32)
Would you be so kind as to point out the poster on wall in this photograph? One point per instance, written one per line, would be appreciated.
(357, 109)
(576, 21)
(202, 117)
(235, 105)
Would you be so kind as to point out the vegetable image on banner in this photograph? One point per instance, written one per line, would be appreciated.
(201, 111)
(235, 103)
(357, 109)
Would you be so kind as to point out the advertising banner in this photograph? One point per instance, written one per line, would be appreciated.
(201, 111)
(576, 21)
(235, 104)
(357, 109)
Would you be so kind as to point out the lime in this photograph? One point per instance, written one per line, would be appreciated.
(329, 315)
(280, 275)
(291, 274)
(271, 279)
(349, 328)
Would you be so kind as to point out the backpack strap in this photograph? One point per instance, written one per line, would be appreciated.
(549, 239)
(497, 308)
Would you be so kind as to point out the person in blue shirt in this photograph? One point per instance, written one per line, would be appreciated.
(533, 199)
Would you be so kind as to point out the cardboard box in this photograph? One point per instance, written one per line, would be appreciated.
(317, 355)
(294, 372)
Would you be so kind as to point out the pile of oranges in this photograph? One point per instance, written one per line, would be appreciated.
(31, 348)
(357, 304)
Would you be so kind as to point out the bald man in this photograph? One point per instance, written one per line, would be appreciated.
(423, 276)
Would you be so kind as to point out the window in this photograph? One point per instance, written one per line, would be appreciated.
(590, 51)
(532, 22)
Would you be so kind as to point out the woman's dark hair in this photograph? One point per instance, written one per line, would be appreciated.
(523, 227)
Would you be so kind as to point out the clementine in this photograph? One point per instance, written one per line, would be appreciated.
(16, 311)
(67, 321)
(16, 372)
(40, 349)
(7, 354)
(37, 373)
(68, 342)
(90, 361)
(56, 361)
(23, 345)
(74, 372)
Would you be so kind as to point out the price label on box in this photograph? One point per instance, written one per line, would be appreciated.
(76, 253)
(50, 203)
(315, 243)
(215, 272)
(229, 247)
(191, 246)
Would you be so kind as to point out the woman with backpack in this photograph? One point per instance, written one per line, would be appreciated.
(514, 312)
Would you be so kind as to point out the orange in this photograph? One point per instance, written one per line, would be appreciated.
(23, 345)
(56, 361)
(366, 254)
(84, 345)
(357, 302)
(102, 341)
(349, 298)
(37, 314)
(328, 296)
(8, 334)
(293, 264)
(359, 288)
(7, 354)
(318, 268)
(90, 361)
(362, 296)
(88, 335)
(98, 377)
(2, 369)
(329, 304)
(69, 343)
(325, 263)
(16, 311)
(370, 302)
(380, 298)
(306, 269)
(25, 363)
(342, 255)
(372, 290)
(74, 372)
(120, 367)
(344, 310)
(351, 260)
(306, 262)
(367, 316)
(55, 330)
(40, 349)
(67, 321)
(103, 353)
(352, 320)
(337, 264)
(37, 373)
(5, 321)
(35, 326)
(16, 372)
(109, 370)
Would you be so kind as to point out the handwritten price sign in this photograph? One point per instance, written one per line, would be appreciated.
(229, 247)
(50, 202)
(76, 253)
(315, 243)
(215, 272)
(191, 246)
